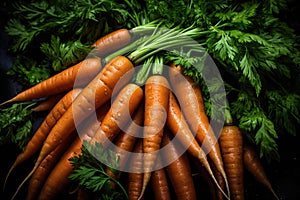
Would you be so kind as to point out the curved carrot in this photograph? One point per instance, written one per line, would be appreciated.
(40, 175)
(62, 81)
(156, 107)
(116, 119)
(111, 42)
(48, 103)
(159, 183)
(42, 132)
(179, 171)
(178, 126)
(135, 177)
(58, 179)
(231, 143)
(253, 164)
(191, 101)
(94, 95)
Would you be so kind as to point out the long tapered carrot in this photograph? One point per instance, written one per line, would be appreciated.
(231, 143)
(58, 179)
(179, 171)
(156, 107)
(123, 106)
(135, 176)
(42, 132)
(178, 126)
(40, 175)
(61, 82)
(253, 164)
(94, 95)
(191, 101)
(48, 103)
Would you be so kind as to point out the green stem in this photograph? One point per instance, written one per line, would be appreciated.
(228, 117)
(158, 66)
(144, 72)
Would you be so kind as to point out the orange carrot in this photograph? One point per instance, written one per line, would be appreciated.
(191, 101)
(111, 42)
(40, 175)
(179, 171)
(48, 103)
(119, 114)
(135, 177)
(253, 164)
(58, 179)
(178, 126)
(160, 185)
(94, 95)
(42, 132)
(61, 82)
(156, 107)
(231, 143)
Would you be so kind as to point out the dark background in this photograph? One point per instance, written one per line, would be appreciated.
(284, 175)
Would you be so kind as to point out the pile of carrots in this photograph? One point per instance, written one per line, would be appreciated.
(168, 105)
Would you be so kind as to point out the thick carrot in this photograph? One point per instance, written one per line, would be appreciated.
(135, 177)
(155, 113)
(58, 179)
(231, 143)
(179, 171)
(191, 101)
(160, 186)
(126, 102)
(61, 82)
(48, 103)
(111, 42)
(40, 175)
(42, 132)
(178, 126)
(94, 95)
(253, 164)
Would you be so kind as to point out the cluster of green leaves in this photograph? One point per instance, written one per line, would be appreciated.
(90, 172)
(16, 123)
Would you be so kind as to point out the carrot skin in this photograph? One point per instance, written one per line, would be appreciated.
(111, 42)
(231, 143)
(155, 113)
(63, 81)
(58, 179)
(253, 164)
(48, 103)
(135, 177)
(191, 101)
(40, 175)
(126, 102)
(160, 185)
(179, 171)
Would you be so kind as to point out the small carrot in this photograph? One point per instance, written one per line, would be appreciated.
(156, 107)
(178, 126)
(58, 179)
(94, 95)
(111, 42)
(42, 132)
(160, 186)
(191, 101)
(48, 103)
(253, 164)
(135, 176)
(119, 114)
(179, 171)
(231, 143)
(62, 81)
(40, 175)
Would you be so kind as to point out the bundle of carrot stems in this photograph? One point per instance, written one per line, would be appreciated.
(125, 94)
